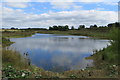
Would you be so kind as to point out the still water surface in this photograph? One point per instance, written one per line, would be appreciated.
(57, 52)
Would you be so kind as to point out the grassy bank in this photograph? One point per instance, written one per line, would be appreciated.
(111, 53)
(109, 56)
(83, 32)
(6, 42)
(17, 34)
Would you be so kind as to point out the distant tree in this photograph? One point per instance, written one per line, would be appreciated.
(12, 28)
(72, 28)
(93, 26)
(81, 27)
(55, 27)
(117, 24)
(102, 26)
(66, 27)
(110, 25)
(60, 28)
(50, 28)
(105, 26)
(28, 28)
(38, 29)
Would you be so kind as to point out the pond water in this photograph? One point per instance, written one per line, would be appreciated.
(58, 52)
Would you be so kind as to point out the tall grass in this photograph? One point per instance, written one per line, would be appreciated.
(6, 42)
(13, 58)
(17, 34)
(112, 52)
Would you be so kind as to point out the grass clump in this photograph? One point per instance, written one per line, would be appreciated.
(6, 42)
(13, 58)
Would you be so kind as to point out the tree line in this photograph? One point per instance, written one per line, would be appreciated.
(66, 27)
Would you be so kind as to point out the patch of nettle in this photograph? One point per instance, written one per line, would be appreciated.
(10, 72)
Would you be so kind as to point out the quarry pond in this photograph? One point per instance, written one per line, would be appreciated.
(58, 52)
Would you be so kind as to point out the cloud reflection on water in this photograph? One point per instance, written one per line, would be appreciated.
(54, 50)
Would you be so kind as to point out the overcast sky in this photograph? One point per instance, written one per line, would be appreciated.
(44, 14)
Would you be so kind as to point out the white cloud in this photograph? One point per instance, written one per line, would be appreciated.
(99, 9)
(61, 1)
(16, 4)
(110, 3)
(65, 5)
(18, 18)
(16, 0)
(90, 0)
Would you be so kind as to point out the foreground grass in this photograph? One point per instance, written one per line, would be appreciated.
(13, 58)
(16, 66)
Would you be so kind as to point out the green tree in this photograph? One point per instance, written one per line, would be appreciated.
(55, 27)
(72, 28)
(81, 27)
(50, 28)
(12, 28)
(93, 26)
(66, 27)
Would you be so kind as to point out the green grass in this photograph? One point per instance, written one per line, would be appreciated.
(6, 42)
(105, 58)
(111, 53)
(95, 33)
(17, 34)
(82, 32)
(13, 58)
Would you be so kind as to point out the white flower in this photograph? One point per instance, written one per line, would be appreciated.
(114, 65)
(9, 66)
(23, 74)
(82, 69)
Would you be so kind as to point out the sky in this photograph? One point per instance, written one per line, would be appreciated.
(42, 14)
